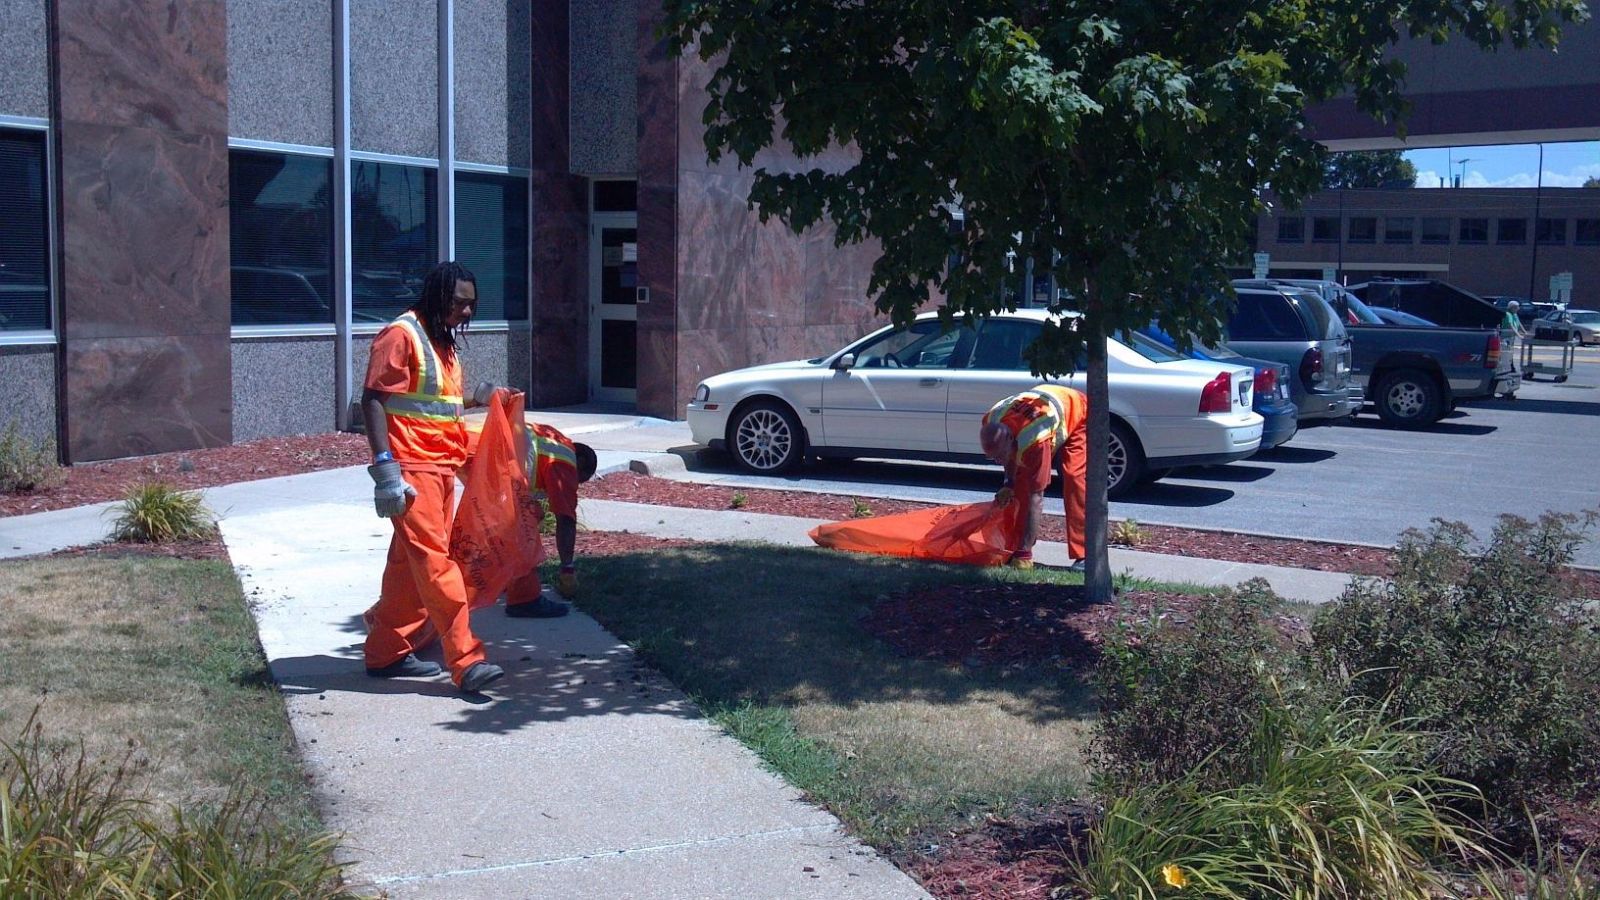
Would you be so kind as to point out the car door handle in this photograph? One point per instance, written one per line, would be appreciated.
(931, 382)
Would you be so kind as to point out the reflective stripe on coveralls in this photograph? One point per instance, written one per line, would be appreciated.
(545, 450)
(1037, 416)
(427, 402)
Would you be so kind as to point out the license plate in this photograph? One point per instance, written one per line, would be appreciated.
(1244, 393)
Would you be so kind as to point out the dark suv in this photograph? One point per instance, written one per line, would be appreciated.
(1299, 329)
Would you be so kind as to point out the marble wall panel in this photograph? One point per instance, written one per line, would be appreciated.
(604, 75)
(837, 279)
(280, 71)
(32, 408)
(283, 386)
(519, 359)
(24, 73)
(145, 215)
(134, 396)
(560, 363)
(493, 73)
(661, 390)
(144, 64)
(660, 393)
(394, 77)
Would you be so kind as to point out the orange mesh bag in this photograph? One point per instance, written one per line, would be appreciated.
(976, 534)
(495, 538)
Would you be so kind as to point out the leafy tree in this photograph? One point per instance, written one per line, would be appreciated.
(1369, 169)
(1122, 145)
(1594, 181)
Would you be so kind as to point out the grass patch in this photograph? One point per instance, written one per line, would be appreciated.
(151, 660)
(768, 641)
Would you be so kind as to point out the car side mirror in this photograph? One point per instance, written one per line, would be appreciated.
(846, 361)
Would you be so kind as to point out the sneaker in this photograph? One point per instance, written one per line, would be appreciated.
(480, 675)
(542, 608)
(1077, 566)
(408, 667)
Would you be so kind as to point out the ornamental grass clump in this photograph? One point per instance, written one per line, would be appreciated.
(156, 512)
(27, 465)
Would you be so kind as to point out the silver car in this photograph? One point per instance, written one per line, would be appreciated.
(1298, 328)
(1580, 326)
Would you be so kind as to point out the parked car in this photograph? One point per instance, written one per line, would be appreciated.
(1415, 374)
(920, 392)
(1580, 326)
(1527, 310)
(1299, 329)
(1280, 417)
(1404, 319)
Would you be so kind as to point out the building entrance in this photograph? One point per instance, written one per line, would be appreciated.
(613, 313)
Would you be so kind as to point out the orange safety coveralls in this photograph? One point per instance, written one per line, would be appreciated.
(422, 585)
(1050, 424)
(553, 479)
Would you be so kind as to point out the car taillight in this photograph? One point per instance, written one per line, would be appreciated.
(1266, 383)
(1491, 353)
(1217, 395)
(1311, 367)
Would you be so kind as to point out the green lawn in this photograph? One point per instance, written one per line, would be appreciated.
(151, 659)
(768, 641)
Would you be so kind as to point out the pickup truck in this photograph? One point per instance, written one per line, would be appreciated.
(1414, 376)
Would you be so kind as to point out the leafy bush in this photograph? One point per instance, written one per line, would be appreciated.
(27, 465)
(859, 509)
(1337, 808)
(1493, 652)
(1127, 533)
(72, 829)
(157, 513)
(1184, 699)
(739, 500)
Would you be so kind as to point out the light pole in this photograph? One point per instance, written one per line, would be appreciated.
(1463, 164)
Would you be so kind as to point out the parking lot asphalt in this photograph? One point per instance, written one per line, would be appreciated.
(1359, 482)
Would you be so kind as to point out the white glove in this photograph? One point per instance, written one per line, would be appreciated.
(392, 496)
(483, 393)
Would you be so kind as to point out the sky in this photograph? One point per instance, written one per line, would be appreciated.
(1516, 165)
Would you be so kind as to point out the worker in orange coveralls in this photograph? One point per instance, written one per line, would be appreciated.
(412, 406)
(1031, 433)
(556, 466)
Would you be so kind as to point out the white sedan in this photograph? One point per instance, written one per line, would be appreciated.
(920, 393)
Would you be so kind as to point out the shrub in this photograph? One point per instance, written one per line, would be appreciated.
(739, 501)
(157, 513)
(71, 828)
(860, 509)
(1493, 652)
(27, 465)
(1181, 699)
(1128, 533)
(1338, 808)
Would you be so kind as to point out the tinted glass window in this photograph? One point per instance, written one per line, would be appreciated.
(24, 233)
(1291, 230)
(1325, 229)
(1511, 231)
(1474, 231)
(1587, 232)
(1552, 231)
(1362, 312)
(1265, 317)
(616, 196)
(1324, 322)
(1151, 349)
(1435, 231)
(1363, 229)
(492, 241)
(1398, 230)
(925, 345)
(280, 232)
(1001, 343)
(393, 236)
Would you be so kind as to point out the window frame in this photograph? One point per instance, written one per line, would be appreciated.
(1338, 229)
(1500, 238)
(1461, 230)
(1390, 233)
(48, 336)
(1440, 237)
(525, 179)
(1295, 224)
(1350, 232)
(1542, 239)
(1592, 226)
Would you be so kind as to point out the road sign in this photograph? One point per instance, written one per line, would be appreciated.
(1263, 261)
(1561, 287)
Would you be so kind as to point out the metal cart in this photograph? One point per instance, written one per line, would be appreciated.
(1559, 371)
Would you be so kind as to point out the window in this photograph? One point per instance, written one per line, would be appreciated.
(615, 196)
(1511, 231)
(24, 233)
(1292, 230)
(1551, 231)
(393, 236)
(924, 345)
(1325, 229)
(1363, 229)
(1263, 316)
(1399, 231)
(1587, 232)
(1435, 231)
(1001, 344)
(1473, 231)
(280, 234)
(492, 242)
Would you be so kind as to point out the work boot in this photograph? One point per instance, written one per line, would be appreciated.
(480, 675)
(542, 608)
(408, 667)
(1077, 566)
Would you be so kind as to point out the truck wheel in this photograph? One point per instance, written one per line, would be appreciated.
(1409, 398)
(1124, 461)
(765, 438)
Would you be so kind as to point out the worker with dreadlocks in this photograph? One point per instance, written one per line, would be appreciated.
(556, 466)
(412, 405)
(1030, 434)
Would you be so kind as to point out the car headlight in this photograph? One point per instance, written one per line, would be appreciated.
(702, 394)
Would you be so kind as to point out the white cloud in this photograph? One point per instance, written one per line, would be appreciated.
(1572, 177)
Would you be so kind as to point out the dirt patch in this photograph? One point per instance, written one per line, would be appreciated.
(1020, 858)
(100, 482)
(212, 548)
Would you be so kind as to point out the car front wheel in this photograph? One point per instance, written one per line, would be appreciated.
(765, 438)
(1124, 461)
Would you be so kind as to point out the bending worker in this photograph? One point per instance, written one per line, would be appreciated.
(1031, 433)
(412, 406)
(556, 466)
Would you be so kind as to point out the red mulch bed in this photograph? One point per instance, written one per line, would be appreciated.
(99, 482)
(212, 548)
(615, 543)
(632, 488)
(1021, 858)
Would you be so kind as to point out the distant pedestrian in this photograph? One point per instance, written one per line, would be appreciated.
(1511, 336)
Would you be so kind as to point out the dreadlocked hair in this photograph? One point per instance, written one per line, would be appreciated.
(438, 296)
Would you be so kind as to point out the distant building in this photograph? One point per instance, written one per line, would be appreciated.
(1487, 240)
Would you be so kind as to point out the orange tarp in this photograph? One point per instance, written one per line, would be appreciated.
(977, 534)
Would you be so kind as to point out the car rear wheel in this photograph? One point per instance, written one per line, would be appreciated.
(1124, 461)
(1409, 398)
(765, 438)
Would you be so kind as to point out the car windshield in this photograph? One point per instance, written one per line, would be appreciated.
(1363, 313)
(1586, 318)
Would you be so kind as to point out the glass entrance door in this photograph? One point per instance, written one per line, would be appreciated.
(613, 314)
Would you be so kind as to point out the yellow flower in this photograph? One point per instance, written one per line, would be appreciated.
(1174, 876)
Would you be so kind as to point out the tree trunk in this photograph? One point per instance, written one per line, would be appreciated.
(1097, 563)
